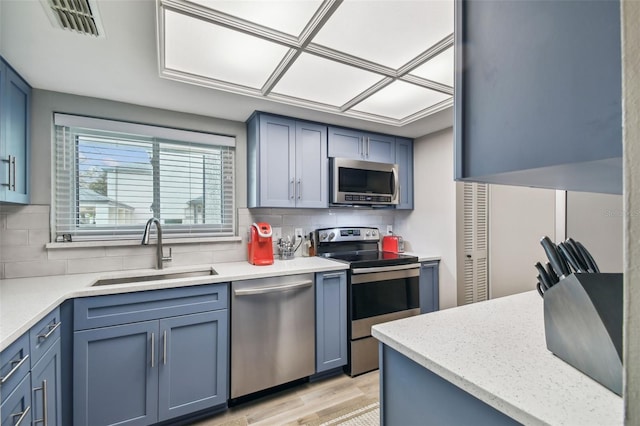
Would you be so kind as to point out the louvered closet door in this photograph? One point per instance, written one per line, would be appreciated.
(474, 285)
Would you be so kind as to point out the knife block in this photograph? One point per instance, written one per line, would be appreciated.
(583, 325)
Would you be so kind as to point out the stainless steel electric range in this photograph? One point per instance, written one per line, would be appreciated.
(381, 287)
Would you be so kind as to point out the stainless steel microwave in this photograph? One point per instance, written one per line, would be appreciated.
(356, 182)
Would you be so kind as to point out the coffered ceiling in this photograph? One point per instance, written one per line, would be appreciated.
(389, 62)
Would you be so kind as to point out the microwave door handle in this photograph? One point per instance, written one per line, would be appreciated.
(395, 183)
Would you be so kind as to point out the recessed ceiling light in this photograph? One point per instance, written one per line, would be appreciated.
(324, 81)
(399, 100)
(199, 47)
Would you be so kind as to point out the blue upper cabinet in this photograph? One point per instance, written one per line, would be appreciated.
(348, 143)
(404, 159)
(538, 94)
(15, 110)
(287, 163)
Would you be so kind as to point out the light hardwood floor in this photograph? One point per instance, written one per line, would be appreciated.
(302, 404)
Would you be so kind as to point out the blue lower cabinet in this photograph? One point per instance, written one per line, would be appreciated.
(429, 286)
(46, 394)
(16, 407)
(331, 320)
(116, 375)
(193, 363)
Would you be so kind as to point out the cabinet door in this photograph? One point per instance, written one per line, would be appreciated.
(46, 401)
(404, 159)
(429, 287)
(331, 320)
(15, 409)
(380, 148)
(345, 143)
(116, 375)
(277, 162)
(193, 363)
(312, 167)
(15, 117)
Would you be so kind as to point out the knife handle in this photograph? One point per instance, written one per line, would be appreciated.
(592, 263)
(540, 291)
(564, 251)
(543, 277)
(552, 253)
(570, 244)
(552, 274)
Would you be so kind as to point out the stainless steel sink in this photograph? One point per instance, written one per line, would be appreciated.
(166, 276)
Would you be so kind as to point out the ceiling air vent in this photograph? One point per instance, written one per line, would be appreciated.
(80, 16)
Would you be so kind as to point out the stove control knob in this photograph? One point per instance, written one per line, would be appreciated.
(332, 236)
(368, 233)
(323, 236)
(374, 233)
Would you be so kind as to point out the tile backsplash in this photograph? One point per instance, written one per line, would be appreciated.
(24, 232)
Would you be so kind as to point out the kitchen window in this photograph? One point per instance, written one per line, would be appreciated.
(111, 177)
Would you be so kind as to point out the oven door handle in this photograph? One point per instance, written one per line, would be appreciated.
(357, 271)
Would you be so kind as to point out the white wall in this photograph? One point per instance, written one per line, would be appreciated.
(518, 218)
(431, 227)
(596, 220)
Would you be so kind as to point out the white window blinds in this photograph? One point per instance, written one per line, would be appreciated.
(111, 177)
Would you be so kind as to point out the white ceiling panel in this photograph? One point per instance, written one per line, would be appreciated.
(324, 81)
(387, 32)
(438, 69)
(199, 47)
(289, 17)
(399, 100)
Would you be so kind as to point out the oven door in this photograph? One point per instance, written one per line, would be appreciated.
(381, 294)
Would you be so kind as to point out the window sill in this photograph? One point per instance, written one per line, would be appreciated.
(123, 243)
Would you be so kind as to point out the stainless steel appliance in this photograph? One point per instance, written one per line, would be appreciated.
(382, 286)
(356, 182)
(272, 332)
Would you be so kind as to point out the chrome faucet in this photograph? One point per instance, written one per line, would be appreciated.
(145, 241)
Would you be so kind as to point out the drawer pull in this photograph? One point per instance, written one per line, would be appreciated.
(52, 329)
(21, 416)
(44, 420)
(336, 275)
(17, 364)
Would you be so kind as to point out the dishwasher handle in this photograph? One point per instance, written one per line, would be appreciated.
(272, 289)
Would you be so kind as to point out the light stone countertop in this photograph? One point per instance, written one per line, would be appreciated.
(422, 257)
(24, 301)
(496, 351)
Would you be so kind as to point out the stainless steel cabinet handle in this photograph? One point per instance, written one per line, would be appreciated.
(153, 349)
(362, 147)
(299, 189)
(357, 271)
(272, 289)
(44, 420)
(9, 174)
(13, 187)
(291, 189)
(336, 275)
(17, 364)
(164, 347)
(52, 329)
(21, 416)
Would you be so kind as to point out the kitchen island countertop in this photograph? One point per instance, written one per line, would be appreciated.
(496, 351)
(24, 301)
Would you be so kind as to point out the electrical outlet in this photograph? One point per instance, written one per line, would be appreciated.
(298, 233)
(276, 233)
(389, 229)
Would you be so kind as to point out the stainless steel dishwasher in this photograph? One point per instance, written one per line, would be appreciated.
(272, 332)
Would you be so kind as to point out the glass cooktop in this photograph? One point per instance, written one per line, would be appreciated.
(373, 258)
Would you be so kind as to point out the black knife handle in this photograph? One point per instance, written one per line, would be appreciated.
(552, 253)
(573, 249)
(539, 286)
(552, 274)
(564, 251)
(588, 257)
(543, 277)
